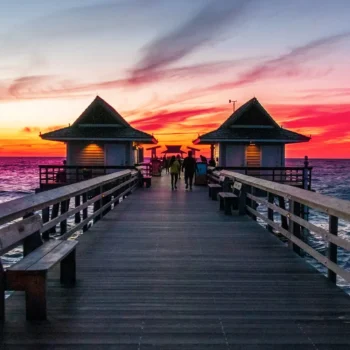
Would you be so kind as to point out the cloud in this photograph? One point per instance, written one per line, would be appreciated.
(166, 118)
(30, 130)
(287, 65)
(324, 93)
(204, 27)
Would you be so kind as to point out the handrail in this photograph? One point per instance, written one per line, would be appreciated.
(294, 218)
(329, 205)
(103, 193)
(17, 208)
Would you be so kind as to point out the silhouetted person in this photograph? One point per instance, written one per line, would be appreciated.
(212, 162)
(167, 165)
(174, 172)
(179, 160)
(190, 167)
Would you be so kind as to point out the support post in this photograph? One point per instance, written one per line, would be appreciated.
(332, 248)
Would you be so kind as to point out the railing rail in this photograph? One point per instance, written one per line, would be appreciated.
(297, 176)
(293, 204)
(68, 174)
(102, 193)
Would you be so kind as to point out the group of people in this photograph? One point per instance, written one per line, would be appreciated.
(176, 166)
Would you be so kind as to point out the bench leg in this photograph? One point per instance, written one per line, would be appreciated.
(214, 193)
(222, 207)
(36, 297)
(235, 204)
(209, 192)
(68, 269)
(227, 204)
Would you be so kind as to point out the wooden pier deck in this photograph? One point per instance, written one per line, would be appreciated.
(167, 270)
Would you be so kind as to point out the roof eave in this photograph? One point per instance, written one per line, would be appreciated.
(200, 141)
(139, 139)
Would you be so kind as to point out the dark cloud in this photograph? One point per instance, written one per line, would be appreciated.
(204, 27)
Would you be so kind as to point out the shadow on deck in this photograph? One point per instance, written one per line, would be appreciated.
(167, 270)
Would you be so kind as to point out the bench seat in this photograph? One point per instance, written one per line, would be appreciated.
(227, 200)
(29, 274)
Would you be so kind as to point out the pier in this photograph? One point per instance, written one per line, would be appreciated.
(166, 269)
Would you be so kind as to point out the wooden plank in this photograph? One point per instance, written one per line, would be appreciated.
(14, 234)
(178, 274)
(227, 195)
(54, 256)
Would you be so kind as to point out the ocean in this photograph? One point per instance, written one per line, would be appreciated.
(19, 176)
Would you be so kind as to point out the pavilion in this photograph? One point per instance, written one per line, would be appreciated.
(101, 136)
(250, 137)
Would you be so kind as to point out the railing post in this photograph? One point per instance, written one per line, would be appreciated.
(85, 212)
(332, 248)
(63, 223)
(46, 217)
(31, 242)
(242, 200)
(54, 214)
(294, 228)
(77, 218)
(97, 204)
(250, 202)
(305, 173)
(270, 211)
(282, 205)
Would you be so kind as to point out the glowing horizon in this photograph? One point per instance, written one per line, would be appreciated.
(173, 75)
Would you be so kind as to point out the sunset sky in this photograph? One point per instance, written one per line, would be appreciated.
(170, 67)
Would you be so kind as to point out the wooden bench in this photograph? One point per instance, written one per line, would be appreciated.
(30, 273)
(230, 200)
(215, 188)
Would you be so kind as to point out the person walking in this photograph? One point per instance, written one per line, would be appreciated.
(190, 166)
(179, 160)
(174, 172)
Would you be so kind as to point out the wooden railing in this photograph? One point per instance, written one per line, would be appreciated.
(295, 176)
(291, 205)
(92, 200)
(67, 174)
